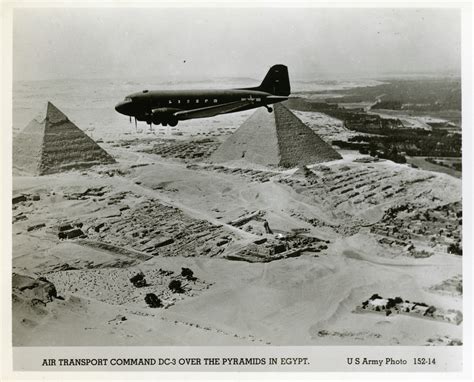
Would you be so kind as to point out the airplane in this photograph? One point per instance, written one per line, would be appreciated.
(167, 107)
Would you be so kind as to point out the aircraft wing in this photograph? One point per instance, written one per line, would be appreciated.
(211, 111)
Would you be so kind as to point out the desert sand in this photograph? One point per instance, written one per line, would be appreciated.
(341, 231)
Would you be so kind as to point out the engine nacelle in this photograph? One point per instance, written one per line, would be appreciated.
(164, 116)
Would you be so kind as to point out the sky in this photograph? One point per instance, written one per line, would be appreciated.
(196, 43)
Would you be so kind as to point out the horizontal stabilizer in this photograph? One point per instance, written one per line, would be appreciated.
(276, 98)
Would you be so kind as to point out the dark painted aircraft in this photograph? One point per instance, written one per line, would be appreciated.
(167, 107)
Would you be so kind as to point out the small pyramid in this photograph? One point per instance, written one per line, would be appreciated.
(304, 172)
(54, 144)
(276, 139)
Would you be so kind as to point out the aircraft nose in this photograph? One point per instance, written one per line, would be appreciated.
(122, 107)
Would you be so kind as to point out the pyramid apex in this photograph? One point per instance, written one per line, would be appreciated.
(50, 113)
(54, 115)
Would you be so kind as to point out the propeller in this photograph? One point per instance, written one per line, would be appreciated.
(135, 122)
(151, 112)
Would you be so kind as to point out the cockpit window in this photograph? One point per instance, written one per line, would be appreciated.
(128, 99)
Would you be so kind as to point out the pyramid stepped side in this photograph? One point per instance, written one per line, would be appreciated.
(28, 148)
(298, 144)
(255, 141)
(66, 148)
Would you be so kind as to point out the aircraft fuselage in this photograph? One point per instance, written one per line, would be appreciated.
(167, 107)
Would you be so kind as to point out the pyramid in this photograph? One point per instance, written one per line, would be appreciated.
(52, 144)
(304, 172)
(276, 139)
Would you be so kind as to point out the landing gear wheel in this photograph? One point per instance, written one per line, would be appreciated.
(173, 122)
(269, 109)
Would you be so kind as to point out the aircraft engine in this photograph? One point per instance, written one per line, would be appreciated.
(164, 116)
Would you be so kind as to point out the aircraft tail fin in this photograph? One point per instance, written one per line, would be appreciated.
(276, 81)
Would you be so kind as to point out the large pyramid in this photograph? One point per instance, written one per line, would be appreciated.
(277, 139)
(53, 144)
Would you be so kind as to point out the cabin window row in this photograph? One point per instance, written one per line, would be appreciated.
(197, 100)
(206, 100)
